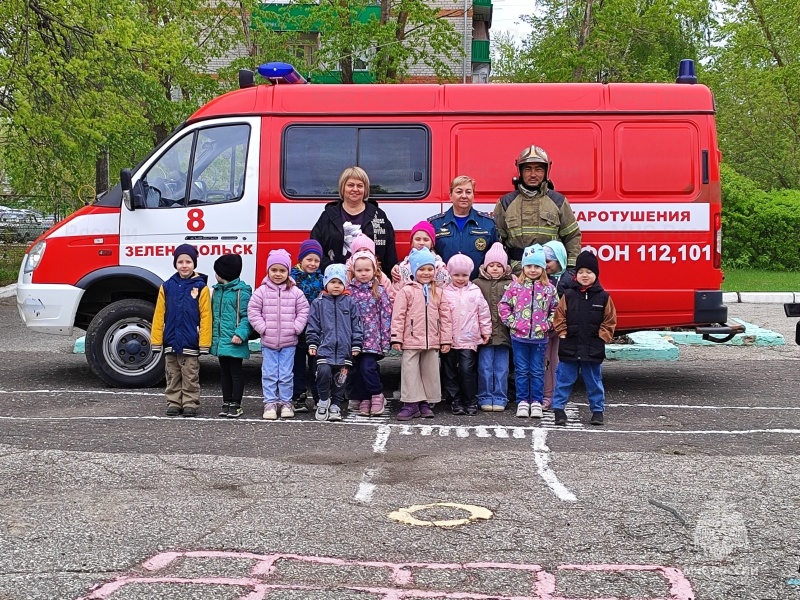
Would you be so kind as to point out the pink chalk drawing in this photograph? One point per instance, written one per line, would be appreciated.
(258, 586)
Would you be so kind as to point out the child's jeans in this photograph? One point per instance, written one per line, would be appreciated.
(276, 374)
(183, 379)
(529, 370)
(460, 382)
(493, 375)
(330, 384)
(232, 380)
(366, 379)
(567, 375)
(301, 372)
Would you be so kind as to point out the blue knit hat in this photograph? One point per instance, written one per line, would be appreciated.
(534, 255)
(186, 249)
(309, 247)
(555, 250)
(335, 271)
(419, 258)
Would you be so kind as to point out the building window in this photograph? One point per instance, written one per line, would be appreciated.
(397, 159)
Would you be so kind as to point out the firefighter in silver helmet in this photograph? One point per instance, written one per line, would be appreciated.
(535, 213)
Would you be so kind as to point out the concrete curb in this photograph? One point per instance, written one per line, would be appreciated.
(8, 291)
(753, 336)
(647, 345)
(760, 297)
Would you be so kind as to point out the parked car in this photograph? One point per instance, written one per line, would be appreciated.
(20, 225)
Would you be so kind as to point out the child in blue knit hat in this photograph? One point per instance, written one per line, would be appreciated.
(335, 336)
(421, 328)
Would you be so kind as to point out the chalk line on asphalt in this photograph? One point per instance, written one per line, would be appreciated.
(541, 454)
(366, 488)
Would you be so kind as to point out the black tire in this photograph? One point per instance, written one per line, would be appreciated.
(118, 345)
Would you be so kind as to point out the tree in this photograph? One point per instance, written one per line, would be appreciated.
(755, 75)
(387, 39)
(91, 79)
(608, 40)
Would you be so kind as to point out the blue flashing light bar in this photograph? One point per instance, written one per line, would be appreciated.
(280, 72)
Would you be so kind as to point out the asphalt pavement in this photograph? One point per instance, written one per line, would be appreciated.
(689, 491)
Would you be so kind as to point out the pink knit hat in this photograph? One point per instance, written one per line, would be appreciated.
(364, 254)
(426, 227)
(279, 257)
(362, 242)
(460, 264)
(496, 254)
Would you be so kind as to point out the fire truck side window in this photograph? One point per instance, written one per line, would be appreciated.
(397, 159)
(218, 158)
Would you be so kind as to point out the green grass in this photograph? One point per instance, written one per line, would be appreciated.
(10, 260)
(752, 280)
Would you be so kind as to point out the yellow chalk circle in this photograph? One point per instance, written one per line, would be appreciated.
(406, 515)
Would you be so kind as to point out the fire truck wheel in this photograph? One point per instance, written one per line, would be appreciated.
(118, 345)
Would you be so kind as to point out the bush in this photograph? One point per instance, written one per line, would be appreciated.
(760, 230)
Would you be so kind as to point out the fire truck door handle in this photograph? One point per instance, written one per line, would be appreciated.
(262, 215)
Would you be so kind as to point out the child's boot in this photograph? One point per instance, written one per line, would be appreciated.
(560, 416)
(300, 403)
(377, 405)
(597, 418)
(226, 406)
(235, 410)
(410, 410)
(425, 410)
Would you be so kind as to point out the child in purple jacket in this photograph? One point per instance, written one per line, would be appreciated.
(278, 311)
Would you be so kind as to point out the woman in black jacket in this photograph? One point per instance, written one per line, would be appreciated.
(352, 214)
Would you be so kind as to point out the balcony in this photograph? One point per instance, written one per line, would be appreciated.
(482, 11)
(296, 17)
(480, 51)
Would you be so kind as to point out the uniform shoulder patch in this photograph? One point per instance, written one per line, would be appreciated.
(485, 214)
(434, 217)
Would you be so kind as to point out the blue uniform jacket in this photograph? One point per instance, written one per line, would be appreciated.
(477, 236)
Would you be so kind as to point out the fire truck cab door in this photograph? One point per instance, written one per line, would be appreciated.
(200, 188)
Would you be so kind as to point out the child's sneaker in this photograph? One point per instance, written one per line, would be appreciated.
(377, 405)
(561, 416)
(287, 411)
(410, 410)
(597, 418)
(270, 411)
(547, 404)
(226, 406)
(173, 410)
(235, 411)
(300, 403)
(334, 413)
(425, 410)
(354, 405)
(487, 407)
(191, 411)
(497, 407)
(524, 409)
(536, 410)
(458, 408)
(363, 408)
(322, 410)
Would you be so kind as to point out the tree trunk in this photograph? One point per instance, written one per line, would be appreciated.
(101, 178)
(583, 34)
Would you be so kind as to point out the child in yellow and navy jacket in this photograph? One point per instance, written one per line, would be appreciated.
(182, 330)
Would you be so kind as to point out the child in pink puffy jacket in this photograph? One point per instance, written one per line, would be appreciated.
(421, 328)
(278, 311)
(472, 326)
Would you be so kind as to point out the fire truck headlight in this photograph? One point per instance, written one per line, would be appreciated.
(34, 257)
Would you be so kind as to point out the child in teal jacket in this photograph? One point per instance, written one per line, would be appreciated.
(231, 330)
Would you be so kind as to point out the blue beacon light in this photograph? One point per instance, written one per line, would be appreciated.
(686, 73)
(280, 72)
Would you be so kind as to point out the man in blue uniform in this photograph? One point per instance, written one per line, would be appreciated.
(462, 228)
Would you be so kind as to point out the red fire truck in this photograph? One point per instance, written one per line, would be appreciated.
(251, 170)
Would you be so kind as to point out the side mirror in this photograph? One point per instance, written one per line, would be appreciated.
(132, 195)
